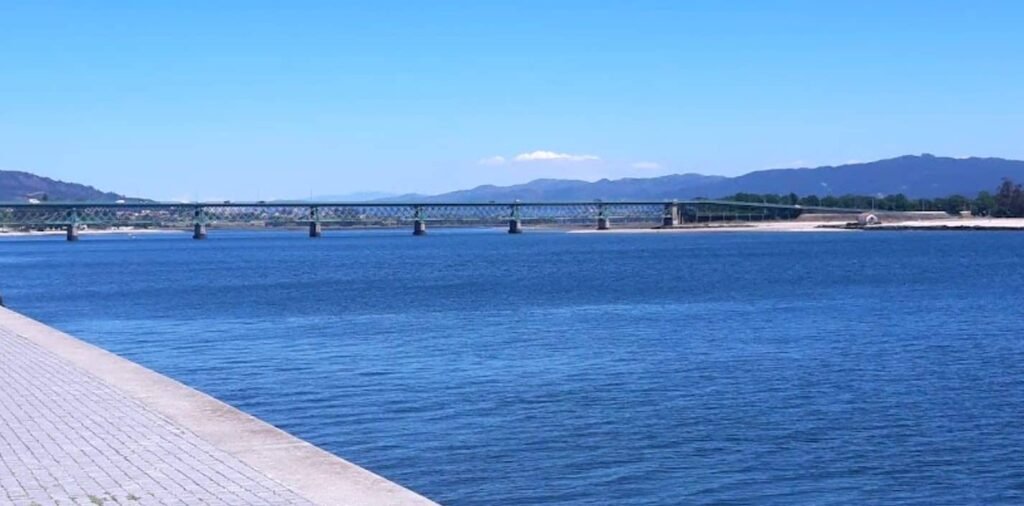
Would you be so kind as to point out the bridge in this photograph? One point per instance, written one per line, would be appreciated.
(200, 216)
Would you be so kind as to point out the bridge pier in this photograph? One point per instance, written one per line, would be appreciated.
(72, 229)
(199, 223)
(419, 221)
(419, 227)
(602, 217)
(515, 225)
(314, 222)
(671, 217)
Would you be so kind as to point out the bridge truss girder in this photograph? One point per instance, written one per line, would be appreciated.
(176, 215)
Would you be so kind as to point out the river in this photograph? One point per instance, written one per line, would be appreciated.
(549, 368)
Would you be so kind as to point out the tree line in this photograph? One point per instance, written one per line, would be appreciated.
(1007, 201)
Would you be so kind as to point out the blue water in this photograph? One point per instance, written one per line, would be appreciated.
(481, 368)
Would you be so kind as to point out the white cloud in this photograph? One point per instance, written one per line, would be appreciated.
(551, 156)
(646, 165)
(492, 160)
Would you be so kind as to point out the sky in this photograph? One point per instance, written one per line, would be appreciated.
(257, 100)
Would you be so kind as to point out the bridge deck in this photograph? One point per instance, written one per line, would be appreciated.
(74, 215)
(79, 425)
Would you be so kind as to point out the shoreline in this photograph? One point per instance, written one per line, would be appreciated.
(951, 225)
(790, 226)
(103, 231)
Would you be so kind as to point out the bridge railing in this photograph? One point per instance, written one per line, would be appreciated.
(188, 214)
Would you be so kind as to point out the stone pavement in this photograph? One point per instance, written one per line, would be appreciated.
(68, 437)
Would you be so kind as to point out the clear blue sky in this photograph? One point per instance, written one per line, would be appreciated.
(219, 99)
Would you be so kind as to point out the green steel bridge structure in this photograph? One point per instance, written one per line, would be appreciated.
(200, 216)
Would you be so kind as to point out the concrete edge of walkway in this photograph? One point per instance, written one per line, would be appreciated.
(310, 471)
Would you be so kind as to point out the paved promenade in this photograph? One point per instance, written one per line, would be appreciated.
(79, 425)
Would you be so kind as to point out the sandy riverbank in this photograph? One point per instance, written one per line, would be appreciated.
(109, 231)
(775, 226)
(826, 226)
(955, 224)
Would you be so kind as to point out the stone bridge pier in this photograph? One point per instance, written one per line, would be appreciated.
(671, 216)
(419, 227)
(515, 225)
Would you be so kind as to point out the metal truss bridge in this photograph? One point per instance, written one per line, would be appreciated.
(73, 216)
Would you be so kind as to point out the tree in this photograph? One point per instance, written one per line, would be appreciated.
(897, 202)
(810, 201)
(1009, 200)
(954, 204)
(984, 205)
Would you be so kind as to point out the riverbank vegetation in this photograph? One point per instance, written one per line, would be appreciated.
(1007, 201)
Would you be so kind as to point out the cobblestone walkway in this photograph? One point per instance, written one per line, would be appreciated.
(68, 438)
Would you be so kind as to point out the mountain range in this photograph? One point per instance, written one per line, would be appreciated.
(17, 186)
(923, 176)
(916, 176)
(570, 190)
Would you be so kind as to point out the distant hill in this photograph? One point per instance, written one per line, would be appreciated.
(18, 186)
(354, 197)
(571, 190)
(924, 176)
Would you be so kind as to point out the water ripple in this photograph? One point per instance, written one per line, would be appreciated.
(740, 369)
